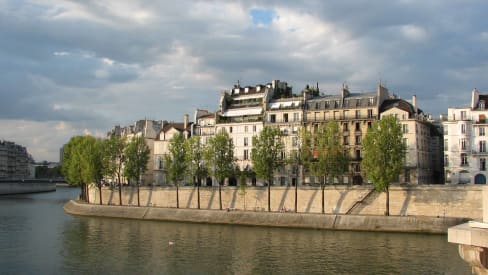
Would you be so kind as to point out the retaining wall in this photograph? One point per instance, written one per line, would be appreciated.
(422, 200)
(291, 220)
(19, 187)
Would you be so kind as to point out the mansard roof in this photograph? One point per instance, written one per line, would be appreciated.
(399, 103)
(351, 100)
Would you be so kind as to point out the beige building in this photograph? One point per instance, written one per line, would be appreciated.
(161, 147)
(420, 137)
(287, 115)
(355, 113)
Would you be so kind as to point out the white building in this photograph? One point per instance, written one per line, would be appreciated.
(465, 149)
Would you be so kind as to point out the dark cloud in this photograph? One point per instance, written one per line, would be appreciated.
(94, 64)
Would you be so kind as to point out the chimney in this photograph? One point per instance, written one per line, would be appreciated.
(475, 95)
(414, 103)
(185, 121)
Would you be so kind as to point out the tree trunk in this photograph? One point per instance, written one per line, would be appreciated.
(323, 198)
(100, 192)
(220, 195)
(177, 196)
(296, 196)
(387, 212)
(82, 192)
(323, 194)
(120, 193)
(138, 197)
(198, 193)
(269, 195)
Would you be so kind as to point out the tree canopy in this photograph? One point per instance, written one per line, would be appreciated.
(219, 156)
(175, 160)
(194, 160)
(266, 153)
(136, 158)
(383, 154)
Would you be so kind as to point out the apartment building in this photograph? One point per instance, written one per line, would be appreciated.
(355, 113)
(149, 129)
(421, 139)
(465, 142)
(161, 147)
(14, 161)
(287, 115)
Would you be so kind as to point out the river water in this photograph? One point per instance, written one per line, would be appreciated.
(37, 237)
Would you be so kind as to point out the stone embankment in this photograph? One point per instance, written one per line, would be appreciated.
(10, 187)
(414, 224)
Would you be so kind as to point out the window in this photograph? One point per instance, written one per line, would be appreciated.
(370, 101)
(463, 128)
(246, 141)
(246, 154)
(358, 154)
(405, 128)
(357, 168)
(358, 140)
(463, 144)
(369, 124)
(272, 118)
(482, 104)
(317, 105)
(230, 129)
(446, 145)
(482, 131)
(254, 128)
(346, 127)
(283, 155)
(245, 129)
(482, 146)
(405, 142)
(446, 132)
(464, 159)
(295, 117)
(294, 141)
(336, 115)
(446, 160)
(463, 115)
(482, 164)
(370, 113)
(346, 140)
(358, 126)
(285, 117)
(358, 113)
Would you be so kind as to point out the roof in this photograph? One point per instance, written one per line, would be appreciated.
(352, 100)
(398, 103)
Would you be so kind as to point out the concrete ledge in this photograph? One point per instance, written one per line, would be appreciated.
(432, 225)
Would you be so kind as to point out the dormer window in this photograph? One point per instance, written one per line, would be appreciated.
(246, 90)
(482, 104)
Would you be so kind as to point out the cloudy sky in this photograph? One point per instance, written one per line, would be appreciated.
(81, 67)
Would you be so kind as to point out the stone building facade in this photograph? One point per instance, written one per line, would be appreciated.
(14, 161)
(465, 142)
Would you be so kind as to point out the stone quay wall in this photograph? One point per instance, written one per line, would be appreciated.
(423, 200)
(410, 224)
(23, 187)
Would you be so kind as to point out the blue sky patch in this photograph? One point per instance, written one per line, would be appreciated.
(262, 16)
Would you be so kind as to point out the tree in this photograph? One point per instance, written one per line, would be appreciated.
(305, 158)
(194, 162)
(265, 155)
(99, 163)
(383, 154)
(78, 165)
(219, 157)
(136, 158)
(115, 157)
(175, 162)
(330, 160)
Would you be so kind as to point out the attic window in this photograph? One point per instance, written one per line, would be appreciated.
(246, 90)
(482, 104)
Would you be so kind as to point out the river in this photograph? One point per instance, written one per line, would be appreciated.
(37, 237)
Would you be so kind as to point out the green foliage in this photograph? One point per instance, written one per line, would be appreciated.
(383, 152)
(114, 156)
(175, 160)
(82, 160)
(194, 161)
(136, 158)
(266, 151)
(330, 160)
(219, 156)
(306, 152)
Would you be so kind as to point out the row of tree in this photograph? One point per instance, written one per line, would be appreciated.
(322, 155)
(90, 160)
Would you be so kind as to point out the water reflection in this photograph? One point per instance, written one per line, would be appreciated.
(124, 246)
(37, 237)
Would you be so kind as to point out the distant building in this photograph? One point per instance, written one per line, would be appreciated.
(465, 142)
(14, 161)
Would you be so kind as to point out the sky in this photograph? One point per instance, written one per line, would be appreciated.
(81, 67)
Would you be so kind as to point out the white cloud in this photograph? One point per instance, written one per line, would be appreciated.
(414, 33)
